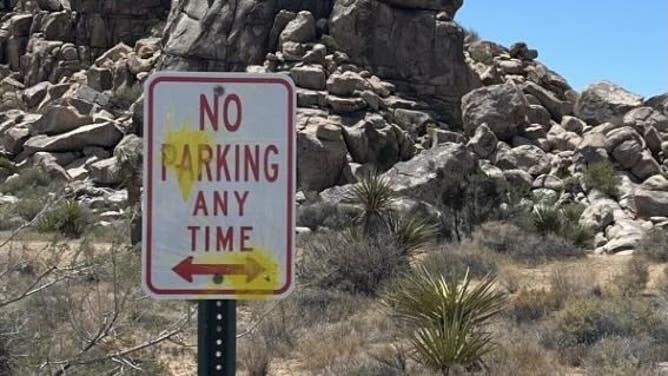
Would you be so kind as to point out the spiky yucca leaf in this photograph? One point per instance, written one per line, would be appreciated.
(448, 316)
(375, 196)
(411, 231)
(424, 297)
(547, 219)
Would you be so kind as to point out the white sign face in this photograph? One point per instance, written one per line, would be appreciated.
(219, 185)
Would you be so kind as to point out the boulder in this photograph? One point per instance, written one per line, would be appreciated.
(373, 140)
(300, 29)
(59, 119)
(344, 105)
(558, 108)
(319, 161)
(12, 139)
(502, 107)
(592, 147)
(573, 124)
(537, 114)
(33, 95)
(430, 173)
(99, 79)
(483, 141)
(345, 84)
(599, 214)
(105, 172)
(521, 51)
(646, 166)
(425, 52)
(605, 102)
(644, 117)
(104, 134)
(561, 139)
(651, 197)
(309, 76)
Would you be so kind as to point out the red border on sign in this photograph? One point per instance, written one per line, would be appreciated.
(149, 185)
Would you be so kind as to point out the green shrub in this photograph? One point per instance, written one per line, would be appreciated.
(654, 245)
(68, 218)
(352, 264)
(26, 181)
(410, 231)
(601, 177)
(448, 317)
(374, 194)
(28, 207)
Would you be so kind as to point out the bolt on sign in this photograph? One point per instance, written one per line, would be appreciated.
(219, 185)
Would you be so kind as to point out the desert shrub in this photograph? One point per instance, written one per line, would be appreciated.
(475, 199)
(25, 181)
(522, 355)
(68, 218)
(254, 356)
(654, 245)
(633, 277)
(411, 231)
(449, 317)
(601, 177)
(532, 305)
(524, 246)
(585, 321)
(356, 265)
(324, 214)
(546, 219)
(28, 207)
(451, 260)
(374, 194)
(619, 356)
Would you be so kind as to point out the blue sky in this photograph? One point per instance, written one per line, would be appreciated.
(585, 41)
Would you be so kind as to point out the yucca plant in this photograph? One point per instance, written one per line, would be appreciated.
(375, 196)
(411, 231)
(448, 317)
(546, 219)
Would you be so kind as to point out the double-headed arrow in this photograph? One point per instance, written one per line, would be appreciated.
(186, 269)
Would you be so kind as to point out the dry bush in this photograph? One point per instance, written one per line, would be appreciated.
(619, 356)
(532, 305)
(324, 346)
(569, 281)
(451, 260)
(521, 354)
(583, 322)
(76, 311)
(324, 214)
(523, 246)
(254, 356)
(654, 245)
(633, 277)
(352, 264)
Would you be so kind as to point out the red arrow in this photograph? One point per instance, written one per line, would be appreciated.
(186, 269)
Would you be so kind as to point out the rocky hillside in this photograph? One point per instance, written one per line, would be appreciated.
(384, 85)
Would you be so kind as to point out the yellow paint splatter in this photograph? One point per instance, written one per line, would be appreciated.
(182, 154)
(267, 280)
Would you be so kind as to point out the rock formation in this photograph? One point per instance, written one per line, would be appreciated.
(389, 85)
